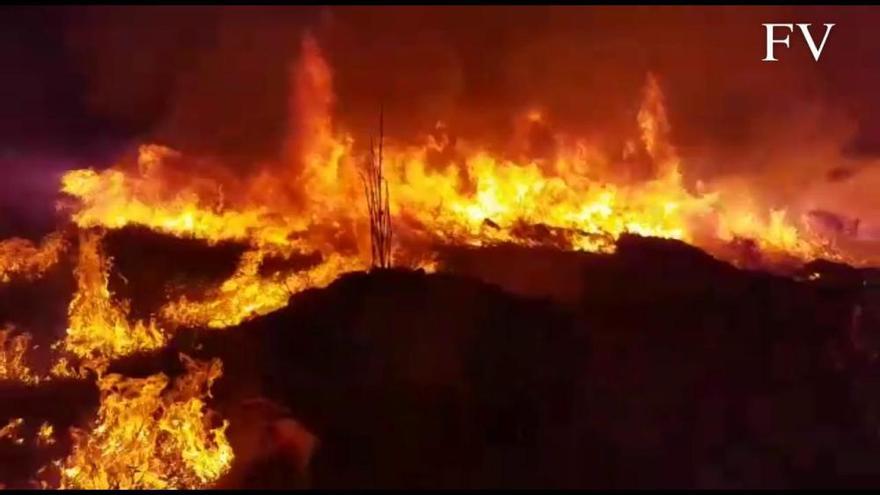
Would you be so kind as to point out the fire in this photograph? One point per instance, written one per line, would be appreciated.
(655, 126)
(247, 294)
(148, 435)
(312, 201)
(46, 434)
(21, 258)
(564, 202)
(113, 199)
(244, 294)
(13, 365)
(511, 197)
(98, 327)
(580, 196)
(12, 431)
(477, 198)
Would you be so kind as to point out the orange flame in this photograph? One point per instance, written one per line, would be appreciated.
(148, 435)
(98, 329)
(20, 257)
(12, 431)
(476, 198)
(579, 197)
(46, 434)
(13, 365)
(247, 294)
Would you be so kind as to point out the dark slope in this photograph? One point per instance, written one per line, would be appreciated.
(416, 380)
(658, 366)
(672, 369)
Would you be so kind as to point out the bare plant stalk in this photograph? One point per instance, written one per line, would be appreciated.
(376, 191)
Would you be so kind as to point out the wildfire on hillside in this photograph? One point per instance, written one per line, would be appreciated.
(576, 195)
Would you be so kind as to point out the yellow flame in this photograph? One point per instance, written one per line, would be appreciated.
(148, 435)
(247, 294)
(113, 199)
(46, 434)
(13, 365)
(476, 198)
(98, 327)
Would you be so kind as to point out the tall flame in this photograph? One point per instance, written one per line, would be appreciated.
(476, 198)
(98, 327)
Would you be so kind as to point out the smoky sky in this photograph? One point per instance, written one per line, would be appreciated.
(79, 84)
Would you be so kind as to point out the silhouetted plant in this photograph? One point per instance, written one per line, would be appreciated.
(376, 191)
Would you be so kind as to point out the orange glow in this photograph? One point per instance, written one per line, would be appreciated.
(11, 432)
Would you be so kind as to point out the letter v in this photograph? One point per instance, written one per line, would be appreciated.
(805, 29)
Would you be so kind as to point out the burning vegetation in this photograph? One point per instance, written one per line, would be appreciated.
(149, 435)
(329, 200)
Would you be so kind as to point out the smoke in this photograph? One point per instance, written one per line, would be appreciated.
(208, 80)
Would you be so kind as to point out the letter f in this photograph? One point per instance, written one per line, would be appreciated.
(771, 40)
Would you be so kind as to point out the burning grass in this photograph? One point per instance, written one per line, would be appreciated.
(152, 433)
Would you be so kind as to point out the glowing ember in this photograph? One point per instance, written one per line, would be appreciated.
(46, 434)
(12, 431)
(148, 435)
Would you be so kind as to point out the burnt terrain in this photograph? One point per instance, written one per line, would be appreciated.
(657, 366)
